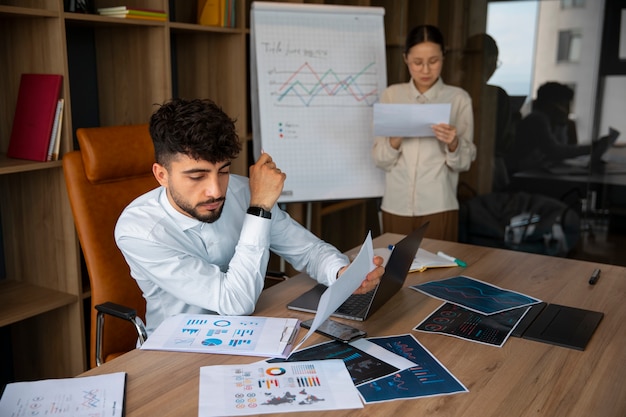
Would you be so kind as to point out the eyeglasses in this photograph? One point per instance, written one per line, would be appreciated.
(430, 63)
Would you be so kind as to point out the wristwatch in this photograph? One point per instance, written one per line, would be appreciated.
(259, 211)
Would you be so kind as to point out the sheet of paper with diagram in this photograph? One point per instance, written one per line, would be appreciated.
(232, 335)
(89, 396)
(262, 388)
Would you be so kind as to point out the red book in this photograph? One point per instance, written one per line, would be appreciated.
(34, 116)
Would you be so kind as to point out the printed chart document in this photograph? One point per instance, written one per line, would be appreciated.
(262, 388)
(232, 335)
(475, 295)
(409, 120)
(89, 396)
(453, 320)
(426, 377)
(350, 280)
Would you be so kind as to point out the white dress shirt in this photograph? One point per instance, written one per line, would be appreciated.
(183, 265)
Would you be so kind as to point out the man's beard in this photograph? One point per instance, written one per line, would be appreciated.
(210, 217)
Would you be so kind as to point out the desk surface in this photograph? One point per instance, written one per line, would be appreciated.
(523, 378)
(615, 175)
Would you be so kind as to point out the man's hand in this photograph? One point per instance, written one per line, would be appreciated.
(266, 183)
(372, 279)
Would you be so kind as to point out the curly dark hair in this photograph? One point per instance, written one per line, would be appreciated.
(198, 128)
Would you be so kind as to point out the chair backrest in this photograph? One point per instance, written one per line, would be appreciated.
(112, 168)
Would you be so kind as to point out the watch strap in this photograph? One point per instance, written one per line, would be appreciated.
(259, 211)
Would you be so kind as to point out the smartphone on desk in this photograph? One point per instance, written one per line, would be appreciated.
(335, 330)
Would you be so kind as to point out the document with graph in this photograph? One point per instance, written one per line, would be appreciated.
(475, 295)
(232, 335)
(261, 388)
(316, 71)
(89, 396)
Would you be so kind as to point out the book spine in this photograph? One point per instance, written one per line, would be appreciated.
(135, 13)
(57, 139)
(209, 12)
(55, 129)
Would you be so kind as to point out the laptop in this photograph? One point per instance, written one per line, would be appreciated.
(585, 164)
(360, 306)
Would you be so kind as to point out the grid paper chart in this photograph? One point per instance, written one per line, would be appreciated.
(318, 76)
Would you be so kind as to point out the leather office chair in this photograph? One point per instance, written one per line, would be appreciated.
(112, 168)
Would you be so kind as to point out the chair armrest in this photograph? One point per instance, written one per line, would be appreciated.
(117, 310)
(121, 312)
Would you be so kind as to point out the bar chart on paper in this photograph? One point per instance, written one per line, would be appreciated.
(316, 73)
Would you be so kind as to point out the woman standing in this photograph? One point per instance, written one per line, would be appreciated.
(421, 173)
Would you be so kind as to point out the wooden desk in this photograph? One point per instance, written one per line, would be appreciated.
(523, 378)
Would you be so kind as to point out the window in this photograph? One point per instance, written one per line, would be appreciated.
(569, 46)
(570, 4)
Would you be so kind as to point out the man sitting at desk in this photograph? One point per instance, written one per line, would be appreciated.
(200, 242)
(537, 138)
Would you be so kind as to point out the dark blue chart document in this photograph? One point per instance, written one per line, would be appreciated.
(427, 378)
(475, 295)
(453, 320)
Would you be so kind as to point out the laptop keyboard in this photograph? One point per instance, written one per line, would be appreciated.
(355, 304)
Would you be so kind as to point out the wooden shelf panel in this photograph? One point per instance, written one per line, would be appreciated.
(20, 301)
(16, 11)
(12, 166)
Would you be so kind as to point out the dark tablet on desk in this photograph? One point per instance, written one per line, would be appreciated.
(563, 326)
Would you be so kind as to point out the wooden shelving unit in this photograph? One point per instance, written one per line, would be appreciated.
(115, 71)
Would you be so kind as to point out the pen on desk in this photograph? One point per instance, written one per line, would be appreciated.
(594, 276)
(452, 258)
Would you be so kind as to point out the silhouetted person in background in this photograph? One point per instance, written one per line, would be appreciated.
(478, 63)
(539, 139)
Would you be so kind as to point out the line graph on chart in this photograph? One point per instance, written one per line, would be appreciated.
(315, 86)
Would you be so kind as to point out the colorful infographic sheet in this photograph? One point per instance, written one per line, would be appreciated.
(233, 335)
(453, 320)
(475, 295)
(427, 377)
(263, 388)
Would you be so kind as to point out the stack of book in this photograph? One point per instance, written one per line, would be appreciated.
(216, 13)
(36, 130)
(133, 13)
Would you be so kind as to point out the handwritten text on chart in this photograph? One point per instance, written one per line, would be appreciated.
(279, 48)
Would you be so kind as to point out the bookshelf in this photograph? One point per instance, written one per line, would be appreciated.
(115, 70)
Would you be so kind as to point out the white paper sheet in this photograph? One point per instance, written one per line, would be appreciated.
(89, 396)
(232, 335)
(409, 120)
(350, 280)
(262, 388)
